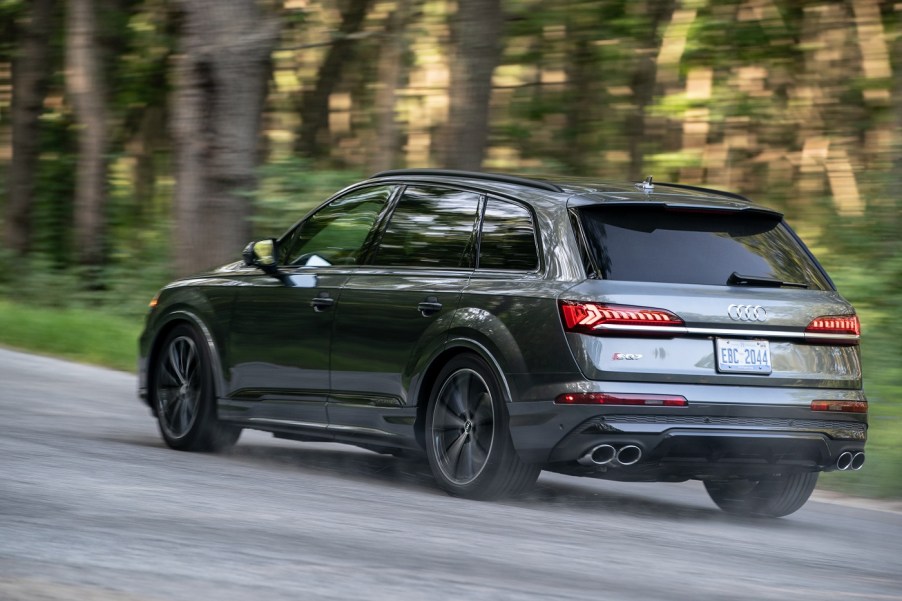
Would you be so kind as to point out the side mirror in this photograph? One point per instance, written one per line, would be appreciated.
(261, 254)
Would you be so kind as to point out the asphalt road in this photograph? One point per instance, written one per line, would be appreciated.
(94, 507)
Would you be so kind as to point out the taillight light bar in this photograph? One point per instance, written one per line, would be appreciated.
(840, 406)
(600, 319)
(604, 398)
(841, 329)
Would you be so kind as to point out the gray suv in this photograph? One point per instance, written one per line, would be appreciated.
(502, 326)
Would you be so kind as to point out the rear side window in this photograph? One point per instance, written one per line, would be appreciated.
(508, 238)
(430, 227)
(659, 244)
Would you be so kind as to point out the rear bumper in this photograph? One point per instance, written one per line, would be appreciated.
(704, 439)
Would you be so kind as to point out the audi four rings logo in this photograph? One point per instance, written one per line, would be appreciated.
(747, 312)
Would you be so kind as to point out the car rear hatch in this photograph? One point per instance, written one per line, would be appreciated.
(705, 295)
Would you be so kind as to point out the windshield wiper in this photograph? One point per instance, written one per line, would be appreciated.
(736, 279)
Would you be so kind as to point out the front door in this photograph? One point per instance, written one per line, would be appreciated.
(281, 331)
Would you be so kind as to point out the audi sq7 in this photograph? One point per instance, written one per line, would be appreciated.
(500, 326)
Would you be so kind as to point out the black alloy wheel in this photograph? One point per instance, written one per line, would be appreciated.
(183, 397)
(468, 445)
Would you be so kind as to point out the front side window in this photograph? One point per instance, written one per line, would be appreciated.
(336, 233)
(508, 238)
(651, 244)
(431, 227)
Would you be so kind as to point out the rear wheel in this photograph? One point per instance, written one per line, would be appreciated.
(183, 395)
(468, 440)
(773, 497)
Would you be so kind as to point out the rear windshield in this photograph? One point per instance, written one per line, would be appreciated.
(660, 244)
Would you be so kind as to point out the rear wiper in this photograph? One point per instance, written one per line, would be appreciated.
(736, 279)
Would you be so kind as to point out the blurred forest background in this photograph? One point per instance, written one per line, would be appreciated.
(143, 139)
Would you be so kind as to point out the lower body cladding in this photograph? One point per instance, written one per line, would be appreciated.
(704, 440)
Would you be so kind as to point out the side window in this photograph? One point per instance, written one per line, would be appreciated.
(431, 227)
(335, 234)
(508, 238)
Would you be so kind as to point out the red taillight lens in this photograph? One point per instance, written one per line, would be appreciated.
(841, 406)
(835, 328)
(603, 398)
(592, 318)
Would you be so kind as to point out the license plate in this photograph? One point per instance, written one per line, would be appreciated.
(742, 356)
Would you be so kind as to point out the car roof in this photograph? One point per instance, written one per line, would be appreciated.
(575, 191)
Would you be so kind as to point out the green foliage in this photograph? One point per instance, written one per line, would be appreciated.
(289, 188)
(120, 290)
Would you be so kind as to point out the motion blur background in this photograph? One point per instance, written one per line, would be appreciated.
(144, 139)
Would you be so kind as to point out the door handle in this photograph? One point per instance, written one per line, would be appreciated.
(322, 302)
(429, 306)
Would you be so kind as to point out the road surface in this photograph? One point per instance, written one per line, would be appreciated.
(94, 507)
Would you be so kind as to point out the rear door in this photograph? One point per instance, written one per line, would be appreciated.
(707, 296)
(394, 312)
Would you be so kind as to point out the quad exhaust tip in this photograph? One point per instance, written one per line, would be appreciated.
(848, 460)
(605, 454)
(629, 455)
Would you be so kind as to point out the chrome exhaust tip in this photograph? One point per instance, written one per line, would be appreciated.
(844, 461)
(629, 454)
(857, 460)
(603, 454)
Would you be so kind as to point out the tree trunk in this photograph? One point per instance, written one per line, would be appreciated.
(643, 86)
(315, 103)
(476, 49)
(30, 72)
(581, 102)
(87, 92)
(221, 76)
(390, 74)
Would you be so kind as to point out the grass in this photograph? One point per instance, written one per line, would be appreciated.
(84, 335)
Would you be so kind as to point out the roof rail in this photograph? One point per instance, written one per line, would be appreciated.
(492, 177)
(708, 190)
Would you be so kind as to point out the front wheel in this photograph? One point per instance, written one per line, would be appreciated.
(183, 395)
(468, 440)
(774, 497)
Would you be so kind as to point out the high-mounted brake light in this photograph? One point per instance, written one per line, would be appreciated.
(592, 318)
(604, 398)
(840, 406)
(842, 329)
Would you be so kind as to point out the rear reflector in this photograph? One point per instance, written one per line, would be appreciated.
(602, 398)
(834, 328)
(841, 406)
(592, 318)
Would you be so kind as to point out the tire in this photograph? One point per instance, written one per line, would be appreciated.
(468, 442)
(774, 497)
(184, 398)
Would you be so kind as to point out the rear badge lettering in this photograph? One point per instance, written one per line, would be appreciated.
(626, 357)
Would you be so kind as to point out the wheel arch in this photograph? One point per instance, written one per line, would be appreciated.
(172, 320)
(454, 347)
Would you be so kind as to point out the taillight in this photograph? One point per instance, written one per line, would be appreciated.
(604, 398)
(592, 318)
(840, 406)
(842, 329)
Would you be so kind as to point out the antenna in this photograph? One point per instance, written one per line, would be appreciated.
(646, 186)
